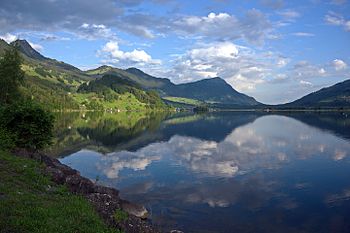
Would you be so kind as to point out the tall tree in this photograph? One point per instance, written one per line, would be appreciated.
(11, 75)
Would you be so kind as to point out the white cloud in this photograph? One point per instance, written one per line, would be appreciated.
(117, 56)
(37, 47)
(337, 20)
(289, 14)
(8, 37)
(305, 83)
(339, 64)
(95, 31)
(321, 71)
(240, 66)
(254, 26)
(303, 34)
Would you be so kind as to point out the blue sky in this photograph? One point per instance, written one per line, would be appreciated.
(273, 50)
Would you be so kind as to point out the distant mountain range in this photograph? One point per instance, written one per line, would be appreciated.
(213, 91)
(335, 96)
(61, 85)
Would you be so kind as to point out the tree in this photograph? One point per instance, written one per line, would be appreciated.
(30, 125)
(11, 75)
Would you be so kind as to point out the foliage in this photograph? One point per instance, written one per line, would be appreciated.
(30, 202)
(6, 139)
(120, 215)
(201, 108)
(110, 87)
(31, 125)
(183, 100)
(11, 75)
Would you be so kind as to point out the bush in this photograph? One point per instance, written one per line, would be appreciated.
(30, 125)
(6, 140)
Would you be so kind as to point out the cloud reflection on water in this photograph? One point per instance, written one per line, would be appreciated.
(247, 148)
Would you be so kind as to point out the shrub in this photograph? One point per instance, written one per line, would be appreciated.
(6, 139)
(120, 215)
(30, 124)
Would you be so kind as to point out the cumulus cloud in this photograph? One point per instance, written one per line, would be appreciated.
(254, 26)
(95, 31)
(37, 47)
(337, 20)
(240, 66)
(8, 37)
(339, 64)
(114, 55)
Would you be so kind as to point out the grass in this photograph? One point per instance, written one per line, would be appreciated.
(120, 215)
(183, 100)
(30, 202)
(126, 101)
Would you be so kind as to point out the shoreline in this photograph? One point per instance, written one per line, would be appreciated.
(115, 212)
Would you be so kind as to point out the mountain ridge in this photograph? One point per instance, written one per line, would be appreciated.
(53, 76)
(337, 95)
(211, 91)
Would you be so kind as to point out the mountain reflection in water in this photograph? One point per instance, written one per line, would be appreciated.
(219, 172)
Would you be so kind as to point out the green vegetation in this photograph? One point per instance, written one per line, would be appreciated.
(120, 215)
(183, 100)
(24, 124)
(110, 88)
(11, 76)
(201, 108)
(30, 202)
(28, 125)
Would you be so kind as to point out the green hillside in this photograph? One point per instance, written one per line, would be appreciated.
(212, 91)
(335, 96)
(59, 86)
(116, 91)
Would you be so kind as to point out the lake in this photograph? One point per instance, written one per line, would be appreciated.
(219, 172)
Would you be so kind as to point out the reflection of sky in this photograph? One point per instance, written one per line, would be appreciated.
(257, 165)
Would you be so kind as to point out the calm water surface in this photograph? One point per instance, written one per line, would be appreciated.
(219, 172)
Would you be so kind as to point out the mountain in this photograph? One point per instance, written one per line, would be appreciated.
(31, 53)
(112, 88)
(335, 96)
(27, 49)
(214, 91)
(144, 80)
(58, 85)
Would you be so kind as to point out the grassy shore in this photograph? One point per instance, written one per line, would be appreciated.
(30, 202)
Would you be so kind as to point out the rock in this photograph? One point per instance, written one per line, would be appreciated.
(49, 161)
(106, 190)
(134, 209)
(65, 169)
(57, 175)
(79, 184)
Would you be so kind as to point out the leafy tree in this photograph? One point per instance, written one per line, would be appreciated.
(30, 124)
(11, 75)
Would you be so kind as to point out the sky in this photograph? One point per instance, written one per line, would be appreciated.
(274, 50)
